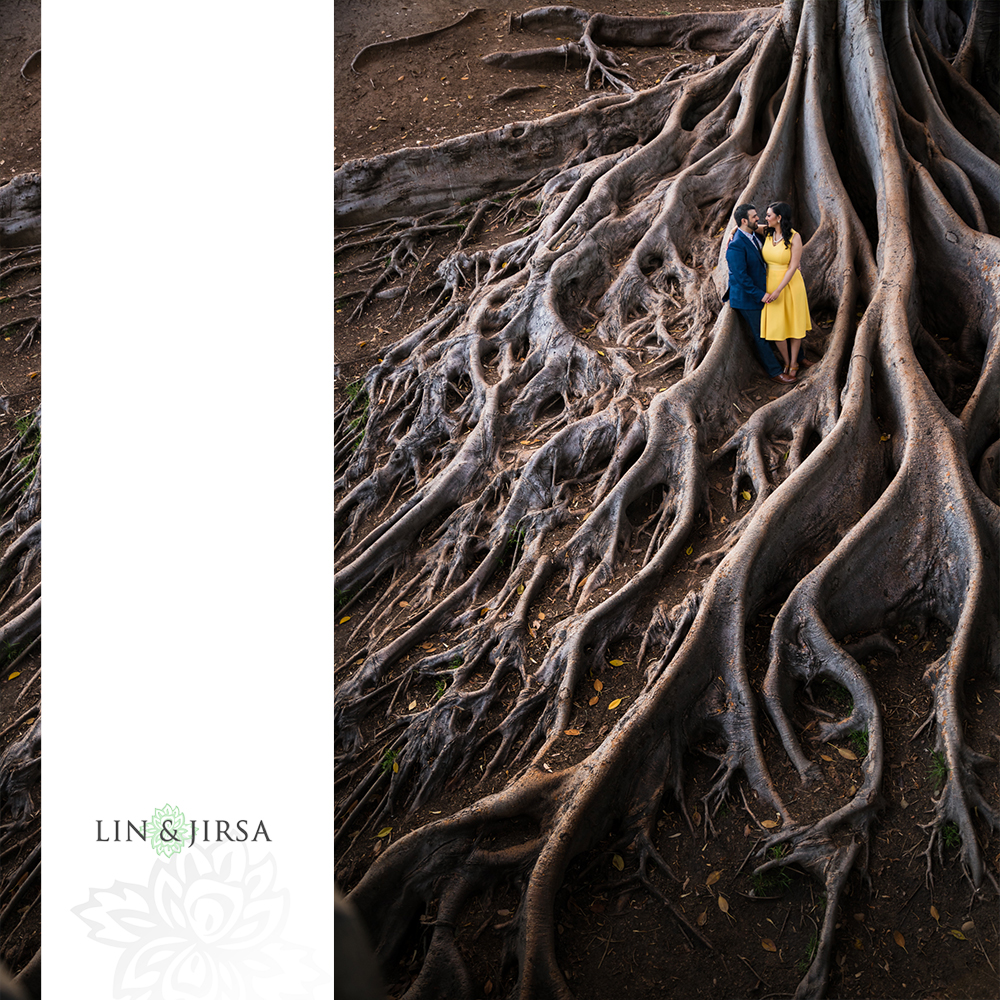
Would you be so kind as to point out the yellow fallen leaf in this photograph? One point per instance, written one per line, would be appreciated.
(620, 864)
(598, 685)
(385, 832)
(745, 494)
(484, 612)
(616, 663)
(395, 767)
(935, 914)
(958, 934)
(900, 940)
(412, 705)
(885, 437)
(723, 904)
(615, 703)
(859, 944)
(768, 945)
(850, 755)
(594, 700)
(768, 823)
(520, 588)
(346, 618)
(713, 878)
(572, 732)
(689, 550)
(601, 353)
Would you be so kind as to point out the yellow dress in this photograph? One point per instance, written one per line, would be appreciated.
(788, 315)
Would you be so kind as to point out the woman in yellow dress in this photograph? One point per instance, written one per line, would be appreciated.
(786, 311)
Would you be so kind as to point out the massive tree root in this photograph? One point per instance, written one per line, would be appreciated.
(469, 456)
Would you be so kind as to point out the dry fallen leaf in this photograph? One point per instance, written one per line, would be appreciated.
(594, 700)
(768, 945)
(395, 767)
(900, 940)
(958, 934)
(702, 917)
(412, 705)
(723, 904)
(824, 756)
(572, 732)
(619, 863)
(615, 703)
(598, 685)
(487, 987)
(768, 823)
(713, 878)
(935, 914)
(849, 754)
(404, 604)
(969, 926)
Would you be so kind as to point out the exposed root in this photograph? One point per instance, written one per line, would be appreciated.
(514, 445)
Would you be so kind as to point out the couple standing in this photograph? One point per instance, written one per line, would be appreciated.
(766, 286)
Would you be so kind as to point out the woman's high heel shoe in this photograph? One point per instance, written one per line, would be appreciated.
(793, 372)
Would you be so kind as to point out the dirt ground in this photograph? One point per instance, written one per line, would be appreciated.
(897, 933)
(20, 394)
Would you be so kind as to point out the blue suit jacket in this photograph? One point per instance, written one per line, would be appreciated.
(747, 273)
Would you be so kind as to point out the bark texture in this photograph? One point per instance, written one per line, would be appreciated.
(518, 389)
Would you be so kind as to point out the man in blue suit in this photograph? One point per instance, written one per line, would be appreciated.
(748, 286)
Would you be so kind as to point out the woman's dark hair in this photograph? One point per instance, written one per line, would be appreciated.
(785, 211)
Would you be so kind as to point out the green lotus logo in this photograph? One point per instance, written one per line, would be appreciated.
(167, 827)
